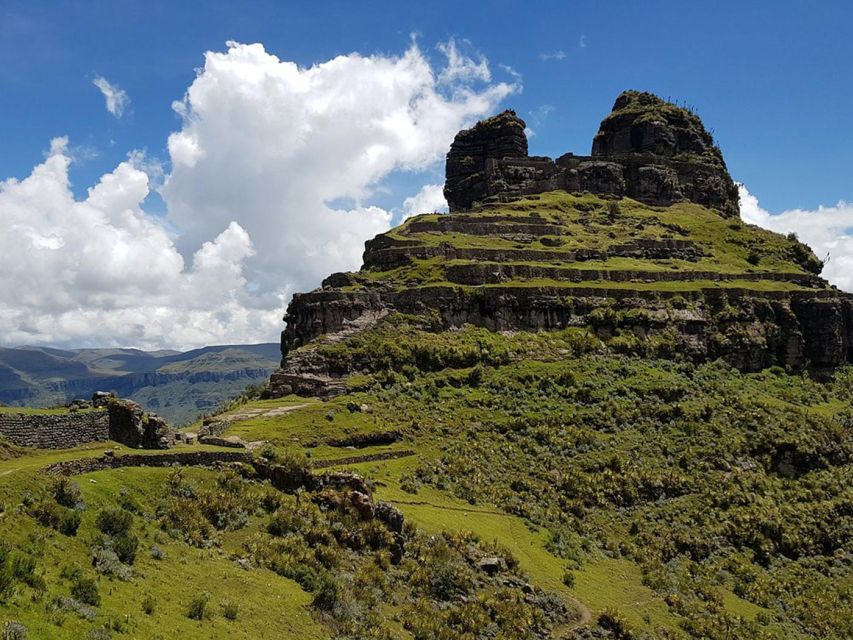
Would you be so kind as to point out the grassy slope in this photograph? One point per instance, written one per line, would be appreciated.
(173, 581)
(586, 223)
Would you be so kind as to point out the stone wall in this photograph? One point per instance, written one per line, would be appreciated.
(55, 431)
(183, 458)
(122, 421)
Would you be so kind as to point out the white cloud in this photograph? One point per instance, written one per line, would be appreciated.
(553, 55)
(827, 230)
(430, 199)
(266, 153)
(115, 97)
(582, 41)
(100, 271)
(271, 144)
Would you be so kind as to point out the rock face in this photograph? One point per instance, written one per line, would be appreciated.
(647, 149)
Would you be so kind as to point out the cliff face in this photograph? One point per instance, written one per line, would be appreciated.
(640, 242)
(646, 149)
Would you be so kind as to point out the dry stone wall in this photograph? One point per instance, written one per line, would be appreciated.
(123, 421)
(54, 431)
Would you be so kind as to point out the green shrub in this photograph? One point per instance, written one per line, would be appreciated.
(114, 521)
(148, 604)
(67, 493)
(85, 590)
(230, 609)
(125, 545)
(197, 609)
(69, 522)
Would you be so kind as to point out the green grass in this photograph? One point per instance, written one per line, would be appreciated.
(185, 572)
(729, 246)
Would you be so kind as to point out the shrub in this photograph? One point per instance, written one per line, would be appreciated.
(114, 521)
(327, 595)
(67, 493)
(198, 607)
(753, 258)
(148, 604)
(69, 522)
(125, 545)
(569, 579)
(107, 563)
(47, 513)
(14, 631)
(85, 590)
(612, 621)
(230, 609)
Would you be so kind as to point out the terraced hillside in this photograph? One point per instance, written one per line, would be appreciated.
(648, 279)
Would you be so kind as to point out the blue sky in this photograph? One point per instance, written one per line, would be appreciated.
(261, 143)
(773, 80)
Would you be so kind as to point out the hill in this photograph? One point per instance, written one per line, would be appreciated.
(590, 402)
(179, 386)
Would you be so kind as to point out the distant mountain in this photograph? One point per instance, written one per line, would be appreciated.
(177, 385)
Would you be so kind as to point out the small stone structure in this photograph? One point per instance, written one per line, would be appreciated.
(122, 421)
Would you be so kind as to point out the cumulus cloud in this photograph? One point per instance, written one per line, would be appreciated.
(100, 271)
(115, 97)
(279, 148)
(430, 199)
(268, 189)
(827, 230)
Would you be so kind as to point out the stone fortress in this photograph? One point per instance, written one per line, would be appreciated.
(507, 266)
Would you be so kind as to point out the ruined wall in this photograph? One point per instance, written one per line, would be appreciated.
(55, 431)
(122, 421)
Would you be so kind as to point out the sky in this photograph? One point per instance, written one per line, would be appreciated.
(171, 175)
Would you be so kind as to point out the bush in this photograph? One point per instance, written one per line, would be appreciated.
(569, 579)
(14, 631)
(230, 609)
(69, 522)
(114, 521)
(125, 545)
(327, 595)
(86, 590)
(198, 607)
(67, 493)
(148, 604)
(47, 513)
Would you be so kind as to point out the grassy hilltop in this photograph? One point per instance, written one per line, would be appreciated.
(574, 483)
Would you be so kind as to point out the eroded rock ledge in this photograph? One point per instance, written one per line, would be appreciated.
(647, 149)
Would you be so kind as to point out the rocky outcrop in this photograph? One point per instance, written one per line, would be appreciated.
(703, 288)
(648, 149)
(131, 426)
(750, 329)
